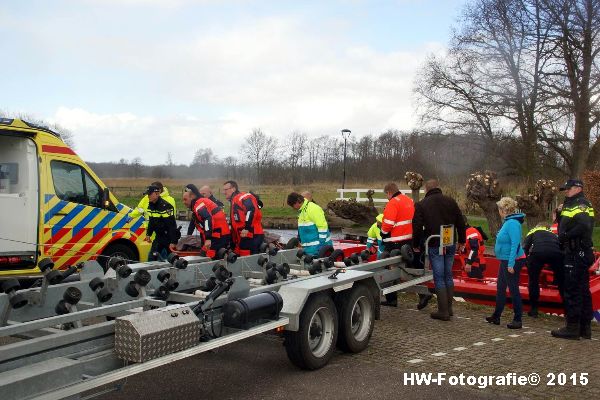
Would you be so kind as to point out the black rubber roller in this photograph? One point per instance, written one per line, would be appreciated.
(232, 257)
(261, 260)
(142, 277)
(273, 250)
(263, 247)
(104, 295)
(132, 290)
(116, 262)
(96, 283)
(72, 295)
(308, 259)
(347, 262)
(162, 293)
(385, 254)
(171, 284)
(221, 253)
(395, 253)
(171, 258)
(45, 264)
(163, 275)
(11, 285)
(355, 258)
(300, 253)
(54, 277)
(181, 263)
(18, 300)
(337, 255)
(61, 308)
(365, 255)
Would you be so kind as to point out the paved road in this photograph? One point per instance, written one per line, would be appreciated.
(404, 341)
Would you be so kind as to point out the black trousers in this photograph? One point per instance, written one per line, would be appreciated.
(577, 296)
(535, 264)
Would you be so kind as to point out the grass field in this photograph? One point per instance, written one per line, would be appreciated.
(129, 191)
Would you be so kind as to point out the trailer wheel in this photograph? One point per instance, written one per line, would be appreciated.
(116, 250)
(312, 346)
(357, 319)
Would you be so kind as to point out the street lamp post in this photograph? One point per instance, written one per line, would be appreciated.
(345, 134)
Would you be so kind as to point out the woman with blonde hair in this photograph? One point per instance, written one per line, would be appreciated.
(512, 258)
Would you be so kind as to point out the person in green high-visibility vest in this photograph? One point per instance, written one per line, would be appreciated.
(313, 231)
(374, 237)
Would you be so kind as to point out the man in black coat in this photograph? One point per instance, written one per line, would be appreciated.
(431, 213)
(542, 248)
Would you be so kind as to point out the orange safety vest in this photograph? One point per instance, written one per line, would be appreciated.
(210, 221)
(397, 219)
(245, 214)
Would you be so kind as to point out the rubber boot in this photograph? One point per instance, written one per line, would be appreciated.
(570, 331)
(423, 300)
(533, 312)
(585, 330)
(442, 300)
(450, 292)
(391, 300)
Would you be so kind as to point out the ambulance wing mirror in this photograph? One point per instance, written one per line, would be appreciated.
(105, 198)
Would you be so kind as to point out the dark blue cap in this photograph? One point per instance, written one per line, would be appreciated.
(152, 189)
(570, 183)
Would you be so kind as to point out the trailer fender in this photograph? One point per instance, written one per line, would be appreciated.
(295, 295)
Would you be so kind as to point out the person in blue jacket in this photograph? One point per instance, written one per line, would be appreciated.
(510, 253)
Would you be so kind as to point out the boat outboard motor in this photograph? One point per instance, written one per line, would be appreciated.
(241, 313)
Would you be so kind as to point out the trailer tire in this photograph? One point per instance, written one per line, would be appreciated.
(357, 319)
(313, 345)
(116, 250)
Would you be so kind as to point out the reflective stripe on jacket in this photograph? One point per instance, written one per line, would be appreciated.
(374, 238)
(397, 219)
(245, 214)
(474, 247)
(210, 219)
(313, 230)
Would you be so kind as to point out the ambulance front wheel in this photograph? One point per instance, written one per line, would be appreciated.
(116, 250)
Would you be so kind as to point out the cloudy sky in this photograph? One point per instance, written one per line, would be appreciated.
(146, 77)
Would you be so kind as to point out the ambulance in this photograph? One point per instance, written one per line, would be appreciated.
(53, 205)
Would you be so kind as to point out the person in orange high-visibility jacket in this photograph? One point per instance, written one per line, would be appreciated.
(210, 221)
(246, 220)
(396, 227)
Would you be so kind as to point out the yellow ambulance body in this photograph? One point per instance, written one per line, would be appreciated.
(53, 205)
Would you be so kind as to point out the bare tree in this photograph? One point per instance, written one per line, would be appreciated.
(203, 156)
(573, 81)
(259, 148)
(296, 148)
(489, 82)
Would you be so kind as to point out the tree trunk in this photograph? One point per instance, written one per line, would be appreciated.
(484, 189)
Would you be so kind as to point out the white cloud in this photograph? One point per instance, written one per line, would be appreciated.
(271, 73)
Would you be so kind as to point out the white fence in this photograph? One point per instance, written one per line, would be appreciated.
(355, 194)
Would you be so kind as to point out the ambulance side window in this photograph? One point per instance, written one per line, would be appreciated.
(73, 184)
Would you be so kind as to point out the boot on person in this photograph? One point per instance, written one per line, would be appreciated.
(423, 300)
(585, 330)
(442, 301)
(450, 292)
(533, 311)
(570, 331)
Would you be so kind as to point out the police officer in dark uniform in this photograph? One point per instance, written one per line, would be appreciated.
(542, 248)
(575, 227)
